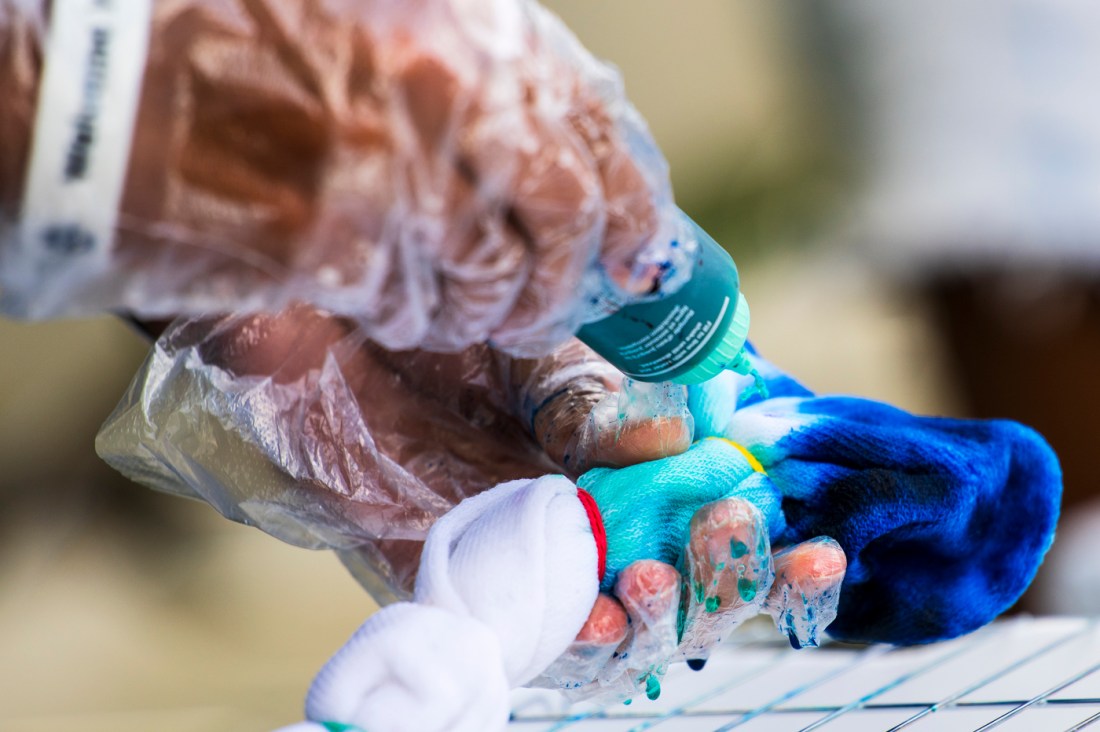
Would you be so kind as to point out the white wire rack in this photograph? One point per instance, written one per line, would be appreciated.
(1025, 674)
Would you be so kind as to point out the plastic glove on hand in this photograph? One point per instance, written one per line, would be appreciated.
(447, 173)
(708, 512)
(515, 571)
(301, 426)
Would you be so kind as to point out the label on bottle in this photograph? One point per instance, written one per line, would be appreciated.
(87, 105)
(666, 339)
(674, 341)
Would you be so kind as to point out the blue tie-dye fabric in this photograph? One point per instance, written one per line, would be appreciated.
(944, 521)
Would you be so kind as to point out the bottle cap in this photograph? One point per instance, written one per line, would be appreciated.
(729, 351)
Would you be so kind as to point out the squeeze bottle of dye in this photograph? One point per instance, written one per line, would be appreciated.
(687, 337)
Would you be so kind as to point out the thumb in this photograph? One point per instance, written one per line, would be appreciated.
(585, 413)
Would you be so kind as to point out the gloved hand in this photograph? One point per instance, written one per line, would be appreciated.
(446, 172)
(689, 556)
(727, 563)
(505, 582)
(942, 522)
(298, 425)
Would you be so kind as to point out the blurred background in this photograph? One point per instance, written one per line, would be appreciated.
(912, 194)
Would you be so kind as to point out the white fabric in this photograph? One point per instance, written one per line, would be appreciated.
(520, 558)
(414, 668)
(507, 580)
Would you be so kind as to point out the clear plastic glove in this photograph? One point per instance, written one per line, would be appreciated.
(445, 172)
(717, 496)
(297, 424)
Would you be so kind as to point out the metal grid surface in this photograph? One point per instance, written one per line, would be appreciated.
(1025, 674)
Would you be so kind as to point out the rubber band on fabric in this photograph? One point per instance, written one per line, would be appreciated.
(598, 531)
(753, 462)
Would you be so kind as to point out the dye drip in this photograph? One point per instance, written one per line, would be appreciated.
(802, 610)
(652, 687)
(759, 387)
(340, 727)
(696, 664)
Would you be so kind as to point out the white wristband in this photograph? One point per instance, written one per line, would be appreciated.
(87, 106)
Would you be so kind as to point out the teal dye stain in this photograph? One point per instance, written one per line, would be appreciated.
(738, 548)
(652, 687)
(627, 702)
(699, 591)
(746, 588)
(340, 727)
(762, 544)
(712, 604)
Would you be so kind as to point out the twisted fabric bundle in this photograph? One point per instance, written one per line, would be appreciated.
(506, 581)
(944, 523)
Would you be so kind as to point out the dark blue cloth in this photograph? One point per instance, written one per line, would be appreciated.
(944, 521)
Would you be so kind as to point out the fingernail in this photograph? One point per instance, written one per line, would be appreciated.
(639, 400)
(606, 624)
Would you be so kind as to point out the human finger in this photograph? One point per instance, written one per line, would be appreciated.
(319, 437)
(632, 201)
(806, 593)
(585, 414)
(728, 573)
(650, 593)
(599, 638)
(556, 208)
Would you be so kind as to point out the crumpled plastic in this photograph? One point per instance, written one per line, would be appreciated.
(298, 424)
(444, 172)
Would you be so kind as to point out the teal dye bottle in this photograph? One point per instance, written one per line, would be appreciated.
(687, 337)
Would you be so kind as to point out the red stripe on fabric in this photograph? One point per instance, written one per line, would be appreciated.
(598, 531)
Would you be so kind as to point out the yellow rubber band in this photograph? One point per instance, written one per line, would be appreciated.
(753, 462)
